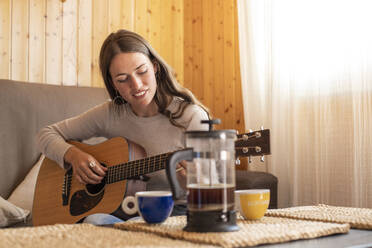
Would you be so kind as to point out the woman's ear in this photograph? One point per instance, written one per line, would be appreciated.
(156, 68)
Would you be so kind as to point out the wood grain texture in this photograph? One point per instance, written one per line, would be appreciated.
(155, 11)
(99, 33)
(69, 43)
(36, 59)
(211, 60)
(53, 43)
(218, 62)
(197, 50)
(48, 208)
(229, 68)
(114, 15)
(19, 40)
(84, 40)
(5, 38)
(141, 24)
(177, 45)
(127, 14)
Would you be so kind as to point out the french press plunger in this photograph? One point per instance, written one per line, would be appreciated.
(210, 157)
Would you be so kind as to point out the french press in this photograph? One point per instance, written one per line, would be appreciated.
(210, 157)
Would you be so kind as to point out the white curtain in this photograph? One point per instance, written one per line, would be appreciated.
(306, 69)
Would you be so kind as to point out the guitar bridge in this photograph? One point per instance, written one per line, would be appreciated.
(66, 187)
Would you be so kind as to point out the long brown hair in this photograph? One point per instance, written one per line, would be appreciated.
(124, 41)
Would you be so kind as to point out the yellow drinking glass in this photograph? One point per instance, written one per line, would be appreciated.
(252, 203)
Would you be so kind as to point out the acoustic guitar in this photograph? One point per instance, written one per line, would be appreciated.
(60, 198)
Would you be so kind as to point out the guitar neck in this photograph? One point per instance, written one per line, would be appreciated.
(255, 143)
(136, 168)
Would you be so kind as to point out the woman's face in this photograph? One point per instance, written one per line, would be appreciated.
(133, 75)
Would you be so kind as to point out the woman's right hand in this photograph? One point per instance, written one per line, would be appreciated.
(85, 167)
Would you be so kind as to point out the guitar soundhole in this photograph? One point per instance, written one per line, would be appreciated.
(94, 189)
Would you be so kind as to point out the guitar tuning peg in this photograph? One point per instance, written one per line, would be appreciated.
(262, 159)
(237, 161)
(250, 159)
(258, 134)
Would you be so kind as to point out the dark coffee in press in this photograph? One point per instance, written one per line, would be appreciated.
(210, 198)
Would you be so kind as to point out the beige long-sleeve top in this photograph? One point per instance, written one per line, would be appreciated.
(155, 134)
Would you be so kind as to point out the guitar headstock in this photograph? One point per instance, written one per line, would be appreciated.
(256, 143)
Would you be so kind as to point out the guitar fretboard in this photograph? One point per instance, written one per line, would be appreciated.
(255, 143)
(136, 168)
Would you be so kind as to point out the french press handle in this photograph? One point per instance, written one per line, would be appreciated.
(170, 167)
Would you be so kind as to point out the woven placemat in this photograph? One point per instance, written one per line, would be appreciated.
(84, 236)
(360, 218)
(264, 231)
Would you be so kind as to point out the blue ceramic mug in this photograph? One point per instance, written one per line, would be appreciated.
(154, 206)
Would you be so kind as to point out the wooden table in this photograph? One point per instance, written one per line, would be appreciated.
(355, 238)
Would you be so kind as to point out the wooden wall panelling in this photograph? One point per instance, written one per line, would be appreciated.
(229, 68)
(127, 14)
(69, 42)
(67, 36)
(142, 16)
(177, 36)
(239, 113)
(207, 58)
(155, 11)
(114, 15)
(36, 58)
(211, 57)
(166, 32)
(218, 63)
(187, 45)
(53, 43)
(19, 34)
(99, 33)
(84, 41)
(196, 43)
(5, 38)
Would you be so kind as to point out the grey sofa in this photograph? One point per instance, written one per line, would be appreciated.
(27, 107)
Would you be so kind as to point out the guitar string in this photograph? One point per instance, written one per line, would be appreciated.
(136, 168)
(140, 167)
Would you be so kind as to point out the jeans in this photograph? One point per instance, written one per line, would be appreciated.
(103, 219)
(107, 219)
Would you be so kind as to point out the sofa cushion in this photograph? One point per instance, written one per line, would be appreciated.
(23, 195)
(26, 108)
(258, 180)
(11, 214)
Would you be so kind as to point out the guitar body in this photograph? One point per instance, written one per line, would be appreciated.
(49, 207)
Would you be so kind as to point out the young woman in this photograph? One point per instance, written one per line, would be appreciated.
(148, 108)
